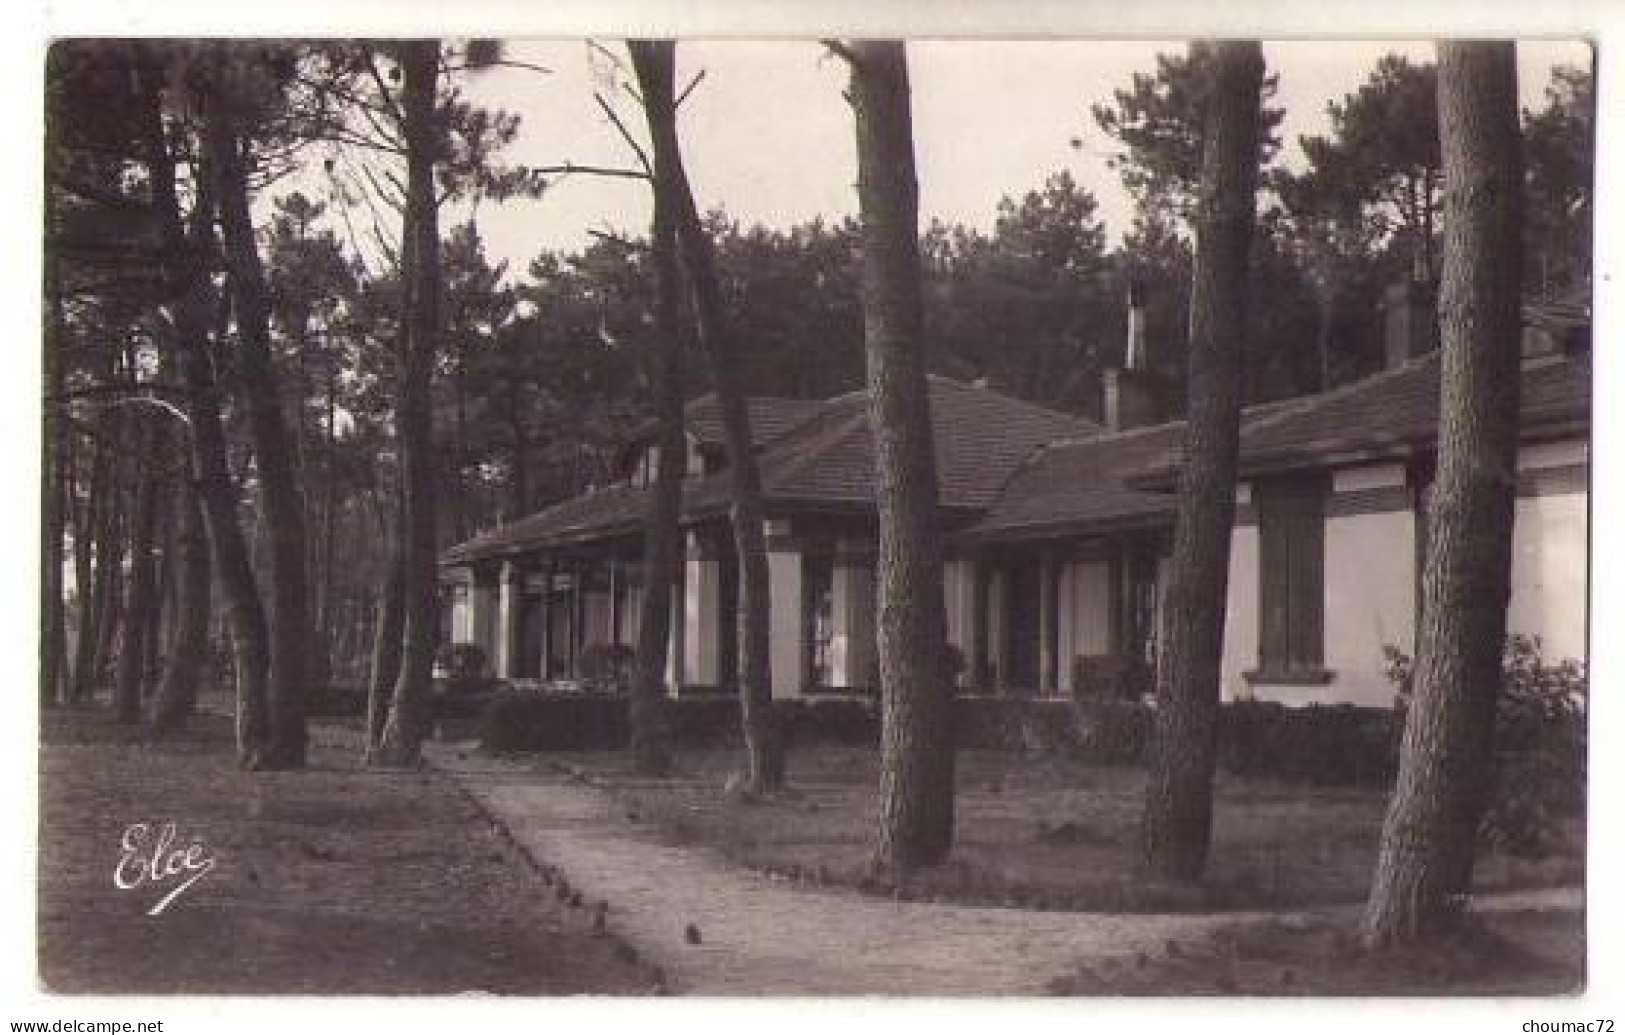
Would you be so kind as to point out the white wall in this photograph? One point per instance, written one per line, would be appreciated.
(784, 616)
(1370, 603)
(1241, 608)
(1370, 584)
(701, 596)
(462, 618)
(1370, 587)
(1550, 558)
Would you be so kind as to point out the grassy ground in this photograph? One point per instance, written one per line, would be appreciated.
(1505, 954)
(1042, 833)
(327, 881)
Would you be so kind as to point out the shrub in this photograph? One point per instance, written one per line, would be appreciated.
(1107, 732)
(338, 701)
(598, 722)
(1540, 742)
(561, 722)
(606, 668)
(463, 660)
(1320, 745)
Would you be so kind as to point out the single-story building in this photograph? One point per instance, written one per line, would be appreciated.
(1058, 536)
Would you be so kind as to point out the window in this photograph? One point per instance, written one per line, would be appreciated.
(1291, 591)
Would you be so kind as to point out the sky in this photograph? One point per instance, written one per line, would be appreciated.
(768, 136)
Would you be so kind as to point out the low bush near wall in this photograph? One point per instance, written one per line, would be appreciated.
(1107, 732)
(1540, 742)
(1320, 745)
(338, 701)
(596, 722)
(558, 722)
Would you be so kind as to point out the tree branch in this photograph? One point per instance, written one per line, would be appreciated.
(692, 83)
(841, 50)
(626, 135)
(571, 168)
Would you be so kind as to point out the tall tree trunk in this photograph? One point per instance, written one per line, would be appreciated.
(1424, 866)
(386, 650)
(1178, 818)
(916, 746)
(188, 257)
(128, 689)
(183, 673)
(53, 490)
(111, 546)
(281, 502)
(158, 617)
(88, 520)
(399, 745)
(662, 537)
(654, 61)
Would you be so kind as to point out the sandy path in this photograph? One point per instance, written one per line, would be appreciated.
(762, 937)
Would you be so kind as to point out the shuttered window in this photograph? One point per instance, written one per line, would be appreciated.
(1292, 545)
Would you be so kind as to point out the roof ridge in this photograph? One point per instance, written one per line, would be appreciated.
(815, 448)
(983, 391)
(1294, 406)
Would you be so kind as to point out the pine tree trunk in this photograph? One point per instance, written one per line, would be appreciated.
(53, 490)
(88, 518)
(157, 618)
(1424, 866)
(386, 651)
(132, 658)
(187, 257)
(281, 502)
(112, 548)
(404, 730)
(916, 747)
(1178, 818)
(655, 61)
(662, 537)
(178, 692)
(102, 604)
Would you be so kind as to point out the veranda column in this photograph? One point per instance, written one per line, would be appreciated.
(977, 662)
(786, 601)
(1047, 625)
(676, 649)
(702, 578)
(511, 593)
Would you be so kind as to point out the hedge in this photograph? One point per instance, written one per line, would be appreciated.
(596, 722)
(1318, 745)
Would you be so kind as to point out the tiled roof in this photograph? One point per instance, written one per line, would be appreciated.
(1397, 410)
(1094, 483)
(1078, 484)
(981, 437)
(769, 417)
(825, 458)
(593, 515)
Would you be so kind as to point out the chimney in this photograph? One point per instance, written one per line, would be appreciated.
(1129, 394)
(1410, 317)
